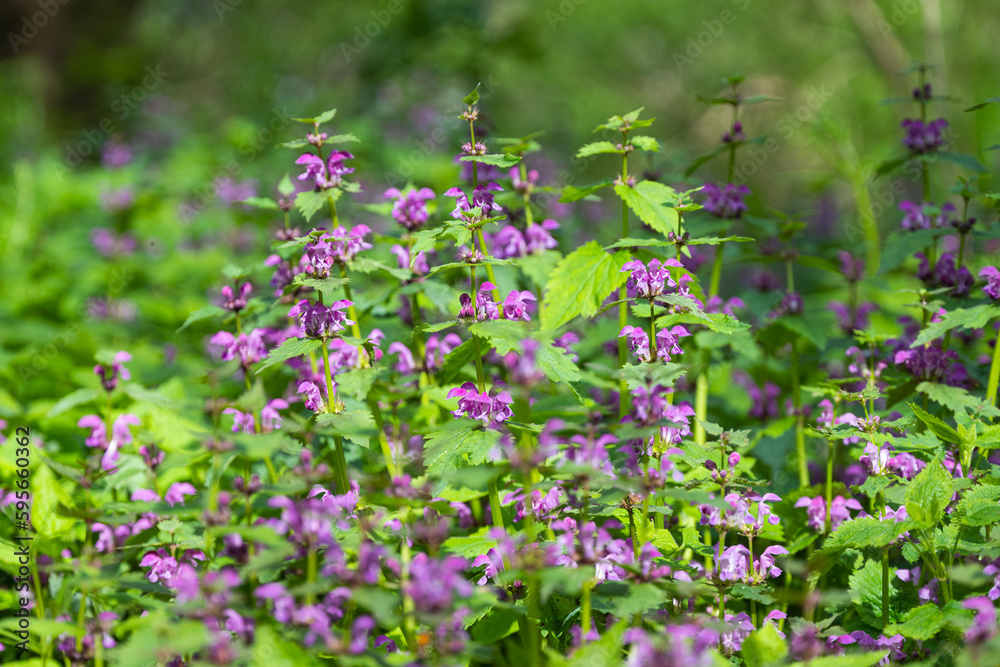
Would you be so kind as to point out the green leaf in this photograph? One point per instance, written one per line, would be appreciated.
(571, 193)
(921, 623)
(502, 160)
(988, 437)
(644, 143)
(702, 159)
(556, 363)
(866, 591)
(203, 313)
(597, 148)
(648, 200)
(959, 318)
(71, 400)
(857, 660)
(865, 531)
(47, 494)
(504, 335)
(285, 186)
(964, 161)
(455, 361)
(356, 383)
(604, 652)
(328, 286)
(764, 647)
(984, 103)
(291, 348)
(308, 203)
(928, 495)
(325, 117)
(500, 622)
(579, 283)
(980, 512)
(466, 265)
(957, 399)
(874, 485)
(447, 450)
(356, 425)
(472, 97)
(937, 426)
(261, 202)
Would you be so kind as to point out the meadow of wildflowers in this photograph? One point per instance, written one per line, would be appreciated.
(417, 426)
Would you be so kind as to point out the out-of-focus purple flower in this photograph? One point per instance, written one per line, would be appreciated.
(434, 582)
(437, 350)
(232, 192)
(486, 407)
(410, 208)
(177, 492)
(725, 202)
(816, 511)
(984, 623)
(420, 265)
(110, 377)
(117, 199)
(248, 347)
(242, 421)
(791, 304)
(923, 137)
(115, 155)
(509, 242)
(850, 321)
(924, 216)
(992, 287)
(235, 303)
(270, 419)
(852, 267)
(109, 243)
(346, 244)
(538, 237)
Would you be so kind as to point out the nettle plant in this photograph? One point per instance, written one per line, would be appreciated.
(465, 442)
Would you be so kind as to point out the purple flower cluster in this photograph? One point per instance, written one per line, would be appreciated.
(923, 137)
(725, 202)
(649, 281)
(410, 208)
(319, 321)
(490, 407)
(510, 242)
(325, 175)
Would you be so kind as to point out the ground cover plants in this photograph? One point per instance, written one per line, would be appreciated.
(445, 426)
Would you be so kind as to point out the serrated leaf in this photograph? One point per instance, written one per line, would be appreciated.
(291, 348)
(702, 159)
(981, 512)
(645, 143)
(863, 532)
(764, 647)
(502, 160)
(597, 148)
(308, 203)
(448, 450)
(957, 400)
(928, 495)
(937, 426)
(959, 318)
(579, 283)
(504, 335)
(866, 591)
(921, 623)
(455, 361)
(649, 201)
(358, 426)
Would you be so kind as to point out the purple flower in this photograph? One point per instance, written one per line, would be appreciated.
(177, 492)
(725, 202)
(484, 309)
(98, 431)
(115, 155)
(437, 350)
(877, 460)
(242, 421)
(420, 265)
(992, 287)
(924, 216)
(509, 243)
(312, 396)
(109, 378)
(345, 245)
(435, 582)
(515, 306)
(270, 420)
(668, 342)
(482, 199)
(248, 347)
(232, 192)
(488, 408)
(109, 243)
(984, 623)
(318, 321)
(231, 301)
(538, 238)
(921, 137)
(325, 176)
(764, 567)
(648, 282)
(638, 342)
(734, 563)
(410, 207)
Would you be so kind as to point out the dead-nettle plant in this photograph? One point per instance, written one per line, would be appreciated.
(428, 428)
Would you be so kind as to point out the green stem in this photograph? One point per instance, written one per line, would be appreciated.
(383, 442)
(409, 621)
(800, 438)
(343, 480)
(880, 502)
(623, 395)
(991, 387)
(489, 267)
(311, 575)
(585, 612)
